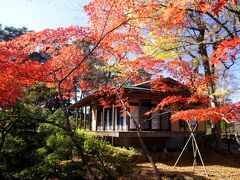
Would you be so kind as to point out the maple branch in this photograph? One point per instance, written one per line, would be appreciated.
(212, 17)
(26, 75)
(90, 52)
(227, 67)
(137, 27)
(224, 27)
(107, 18)
(233, 11)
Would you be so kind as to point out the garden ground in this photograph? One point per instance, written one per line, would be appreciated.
(219, 166)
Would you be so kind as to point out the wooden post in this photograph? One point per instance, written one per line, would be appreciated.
(77, 117)
(103, 119)
(96, 118)
(169, 122)
(139, 114)
(160, 120)
(85, 113)
(112, 141)
(128, 122)
(90, 118)
(81, 113)
(149, 116)
(113, 117)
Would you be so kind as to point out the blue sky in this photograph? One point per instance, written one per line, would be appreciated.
(41, 14)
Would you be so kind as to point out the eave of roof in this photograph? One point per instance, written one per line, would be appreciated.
(136, 88)
(83, 102)
(142, 83)
(88, 99)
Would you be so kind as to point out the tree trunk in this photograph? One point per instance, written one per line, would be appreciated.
(209, 71)
(78, 146)
(145, 150)
(218, 138)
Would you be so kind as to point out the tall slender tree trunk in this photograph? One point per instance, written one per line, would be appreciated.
(209, 71)
(79, 148)
(144, 148)
(86, 166)
(90, 173)
(218, 137)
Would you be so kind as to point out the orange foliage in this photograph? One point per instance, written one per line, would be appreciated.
(115, 37)
(107, 96)
(214, 6)
(227, 49)
(229, 112)
(18, 71)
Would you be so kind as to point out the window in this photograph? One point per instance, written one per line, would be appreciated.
(182, 123)
(119, 118)
(156, 120)
(109, 118)
(165, 122)
(146, 124)
(100, 118)
(135, 116)
(88, 117)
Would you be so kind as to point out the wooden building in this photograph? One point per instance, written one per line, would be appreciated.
(158, 133)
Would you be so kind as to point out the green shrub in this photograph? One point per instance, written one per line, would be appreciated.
(117, 161)
(57, 158)
(54, 160)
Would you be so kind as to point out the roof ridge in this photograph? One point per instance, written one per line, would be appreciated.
(144, 82)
